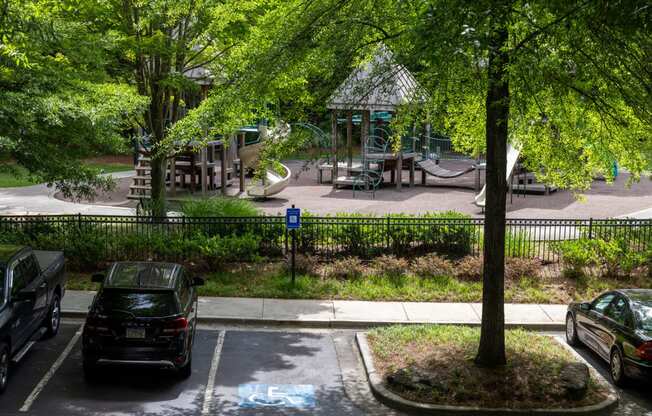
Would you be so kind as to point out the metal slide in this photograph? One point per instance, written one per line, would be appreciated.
(512, 157)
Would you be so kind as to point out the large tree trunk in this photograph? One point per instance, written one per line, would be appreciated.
(491, 352)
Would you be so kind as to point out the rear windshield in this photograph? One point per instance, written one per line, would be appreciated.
(643, 313)
(152, 275)
(149, 304)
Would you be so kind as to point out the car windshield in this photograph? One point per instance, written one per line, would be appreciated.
(153, 275)
(138, 304)
(643, 313)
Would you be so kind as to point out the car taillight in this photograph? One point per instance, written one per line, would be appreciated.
(644, 351)
(97, 324)
(175, 327)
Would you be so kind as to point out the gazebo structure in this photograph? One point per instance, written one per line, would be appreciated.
(380, 85)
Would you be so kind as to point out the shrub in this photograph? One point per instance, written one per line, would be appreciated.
(517, 268)
(219, 207)
(217, 250)
(303, 264)
(390, 266)
(469, 269)
(518, 244)
(455, 237)
(576, 255)
(432, 265)
(357, 237)
(348, 268)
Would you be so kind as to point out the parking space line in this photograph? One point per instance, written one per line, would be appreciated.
(210, 384)
(46, 378)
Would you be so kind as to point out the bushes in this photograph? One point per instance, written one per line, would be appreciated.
(613, 257)
(469, 269)
(219, 207)
(432, 265)
(390, 266)
(348, 268)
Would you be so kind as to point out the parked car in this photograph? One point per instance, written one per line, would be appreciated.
(144, 313)
(617, 325)
(32, 284)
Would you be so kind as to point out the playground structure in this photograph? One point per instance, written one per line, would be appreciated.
(375, 90)
(210, 164)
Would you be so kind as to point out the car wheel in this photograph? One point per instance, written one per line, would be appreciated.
(617, 368)
(186, 370)
(4, 366)
(53, 320)
(571, 330)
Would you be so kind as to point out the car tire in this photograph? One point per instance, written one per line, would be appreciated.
(571, 331)
(53, 319)
(4, 366)
(186, 371)
(617, 368)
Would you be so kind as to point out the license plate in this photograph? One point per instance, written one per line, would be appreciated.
(136, 333)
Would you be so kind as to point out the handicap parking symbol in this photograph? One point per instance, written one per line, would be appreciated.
(276, 395)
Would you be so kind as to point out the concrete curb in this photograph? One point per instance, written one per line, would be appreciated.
(336, 324)
(393, 400)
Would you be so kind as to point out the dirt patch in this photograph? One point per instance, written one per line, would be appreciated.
(531, 379)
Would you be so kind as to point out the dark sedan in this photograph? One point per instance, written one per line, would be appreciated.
(145, 313)
(617, 325)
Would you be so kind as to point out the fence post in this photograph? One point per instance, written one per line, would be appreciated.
(590, 228)
(388, 243)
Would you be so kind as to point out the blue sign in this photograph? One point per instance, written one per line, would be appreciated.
(276, 395)
(293, 218)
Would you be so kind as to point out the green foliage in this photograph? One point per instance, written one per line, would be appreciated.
(219, 207)
(576, 255)
(614, 256)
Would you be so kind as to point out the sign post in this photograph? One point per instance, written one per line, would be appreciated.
(292, 223)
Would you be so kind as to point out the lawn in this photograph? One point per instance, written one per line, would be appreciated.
(444, 355)
(20, 176)
(271, 280)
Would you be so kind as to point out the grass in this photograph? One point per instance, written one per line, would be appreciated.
(20, 176)
(271, 280)
(445, 353)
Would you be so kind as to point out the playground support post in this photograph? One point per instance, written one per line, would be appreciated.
(334, 146)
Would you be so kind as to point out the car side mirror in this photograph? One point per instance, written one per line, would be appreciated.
(585, 306)
(97, 278)
(197, 281)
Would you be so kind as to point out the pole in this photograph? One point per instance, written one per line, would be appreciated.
(294, 252)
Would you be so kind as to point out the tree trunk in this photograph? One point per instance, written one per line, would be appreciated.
(491, 352)
(159, 168)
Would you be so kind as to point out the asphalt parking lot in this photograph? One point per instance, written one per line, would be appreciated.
(236, 371)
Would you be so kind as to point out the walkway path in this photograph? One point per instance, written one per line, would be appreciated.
(39, 199)
(343, 313)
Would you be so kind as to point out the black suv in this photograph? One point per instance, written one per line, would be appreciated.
(145, 313)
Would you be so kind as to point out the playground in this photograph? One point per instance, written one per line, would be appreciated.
(354, 162)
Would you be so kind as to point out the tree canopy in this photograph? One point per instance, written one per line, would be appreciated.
(58, 103)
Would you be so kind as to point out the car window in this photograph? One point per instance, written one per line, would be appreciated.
(20, 277)
(140, 275)
(184, 293)
(601, 303)
(643, 313)
(618, 310)
(2, 286)
(147, 304)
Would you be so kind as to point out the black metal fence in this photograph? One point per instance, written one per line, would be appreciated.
(94, 239)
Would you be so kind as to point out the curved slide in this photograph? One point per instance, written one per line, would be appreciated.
(512, 157)
(274, 182)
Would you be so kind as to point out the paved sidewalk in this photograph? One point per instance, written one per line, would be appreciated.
(343, 313)
(39, 199)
